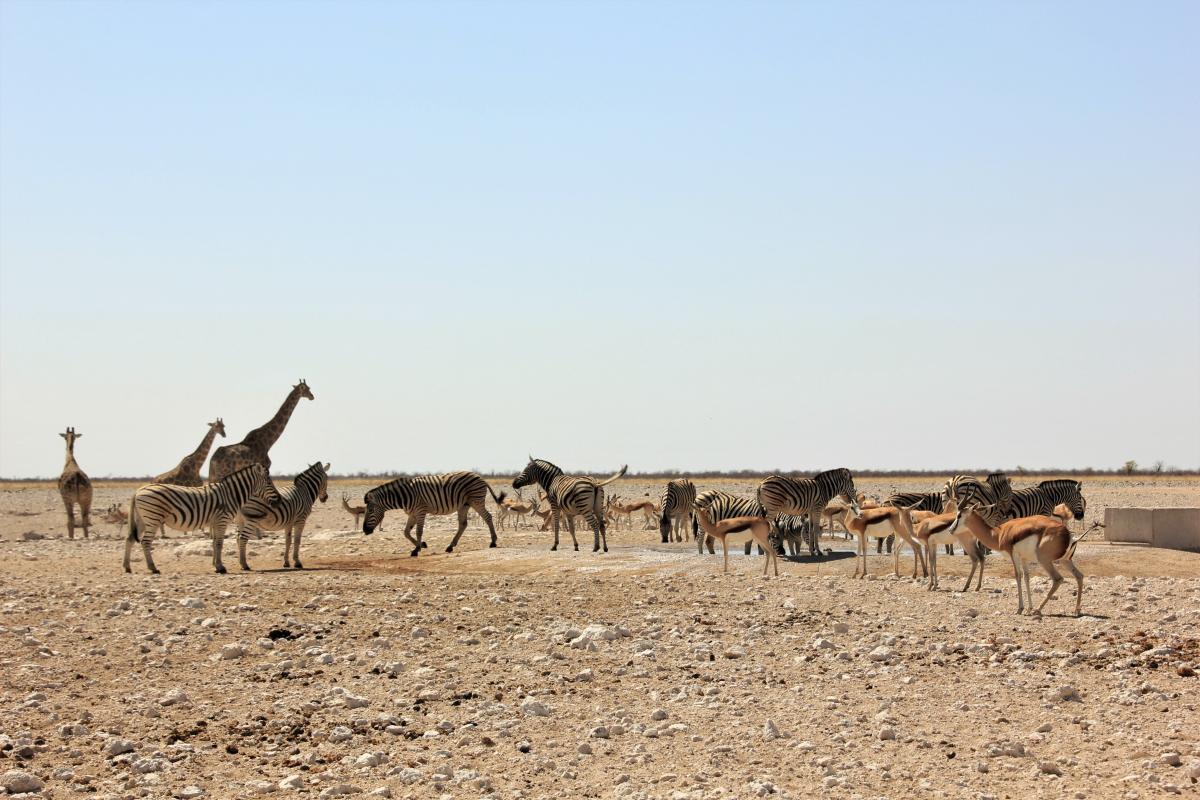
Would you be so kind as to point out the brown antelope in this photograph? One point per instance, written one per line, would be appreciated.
(517, 507)
(624, 511)
(933, 530)
(1045, 540)
(357, 511)
(881, 523)
(759, 529)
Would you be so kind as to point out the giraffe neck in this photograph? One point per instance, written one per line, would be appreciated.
(70, 462)
(268, 434)
(196, 459)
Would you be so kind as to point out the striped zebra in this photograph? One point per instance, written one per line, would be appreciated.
(570, 495)
(994, 494)
(1042, 499)
(448, 493)
(791, 530)
(720, 506)
(190, 508)
(807, 496)
(676, 509)
(289, 515)
(913, 501)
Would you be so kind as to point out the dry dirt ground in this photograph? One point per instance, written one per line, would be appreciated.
(642, 672)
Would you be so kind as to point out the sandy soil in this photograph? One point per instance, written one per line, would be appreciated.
(642, 672)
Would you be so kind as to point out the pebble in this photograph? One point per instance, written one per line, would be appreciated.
(192, 602)
(1045, 727)
(658, 714)
(116, 746)
(291, 782)
(230, 652)
(173, 697)
(881, 653)
(770, 730)
(599, 732)
(887, 733)
(419, 633)
(189, 792)
(1172, 759)
(1049, 768)
(533, 708)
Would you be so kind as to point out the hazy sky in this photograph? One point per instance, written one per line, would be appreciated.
(678, 235)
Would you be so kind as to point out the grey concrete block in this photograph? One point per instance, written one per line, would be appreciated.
(1177, 528)
(1129, 525)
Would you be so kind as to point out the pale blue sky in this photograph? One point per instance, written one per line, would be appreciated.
(678, 235)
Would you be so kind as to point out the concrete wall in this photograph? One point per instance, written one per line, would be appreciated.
(1174, 528)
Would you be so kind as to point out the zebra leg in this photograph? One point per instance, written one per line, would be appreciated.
(462, 526)
(147, 536)
(604, 534)
(814, 533)
(243, 534)
(130, 538)
(299, 529)
(218, 544)
(554, 521)
(408, 526)
(571, 529)
(287, 546)
(487, 518)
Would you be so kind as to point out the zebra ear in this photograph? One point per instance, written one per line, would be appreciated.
(327, 466)
(531, 458)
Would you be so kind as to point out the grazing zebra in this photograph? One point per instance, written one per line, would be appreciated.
(289, 515)
(720, 506)
(807, 496)
(190, 508)
(570, 496)
(791, 530)
(1042, 499)
(994, 492)
(675, 508)
(448, 493)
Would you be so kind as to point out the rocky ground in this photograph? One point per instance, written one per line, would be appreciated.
(643, 672)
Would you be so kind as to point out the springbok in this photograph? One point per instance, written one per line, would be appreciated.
(759, 529)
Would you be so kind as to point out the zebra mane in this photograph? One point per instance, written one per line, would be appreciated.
(1057, 483)
(238, 472)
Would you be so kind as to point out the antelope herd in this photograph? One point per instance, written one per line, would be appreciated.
(1028, 525)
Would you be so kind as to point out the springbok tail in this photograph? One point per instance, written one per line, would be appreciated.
(1074, 542)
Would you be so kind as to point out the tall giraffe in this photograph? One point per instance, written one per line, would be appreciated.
(187, 473)
(75, 487)
(254, 448)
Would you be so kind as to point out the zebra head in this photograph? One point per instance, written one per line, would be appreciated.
(536, 471)
(1068, 492)
(315, 481)
(840, 482)
(376, 508)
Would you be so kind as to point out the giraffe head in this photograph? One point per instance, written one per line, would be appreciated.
(71, 436)
(218, 426)
(304, 391)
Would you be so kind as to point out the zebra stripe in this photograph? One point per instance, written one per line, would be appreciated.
(190, 508)
(1042, 499)
(991, 498)
(571, 496)
(917, 501)
(448, 493)
(289, 515)
(675, 508)
(807, 496)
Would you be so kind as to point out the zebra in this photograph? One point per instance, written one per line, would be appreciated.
(808, 496)
(791, 530)
(574, 496)
(719, 505)
(190, 508)
(675, 508)
(289, 516)
(1042, 499)
(995, 492)
(448, 493)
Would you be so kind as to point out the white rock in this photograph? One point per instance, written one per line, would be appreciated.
(291, 782)
(822, 644)
(419, 633)
(261, 787)
(339, 790)
(881, 653)
(533, 708)
(17, 782)
(1172, 759)
(585, 676)
(189, 792)
(191, 602)
(116, 746)
(340, 733)
(173, 697)
(230, 652)
(770, 730)
(353, 701)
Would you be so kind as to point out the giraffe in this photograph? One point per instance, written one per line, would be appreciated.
(75, 487)
(187, 473)
(254, 448)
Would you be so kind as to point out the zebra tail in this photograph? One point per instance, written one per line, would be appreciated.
(620, 472)
(498, 498)
(134, 532)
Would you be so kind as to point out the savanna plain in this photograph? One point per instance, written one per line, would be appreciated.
(642, 672)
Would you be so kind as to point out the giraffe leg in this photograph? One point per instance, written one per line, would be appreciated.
(462, 526)
(70, 518)
(85, 511)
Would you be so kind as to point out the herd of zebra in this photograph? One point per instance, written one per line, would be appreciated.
(1030, 525)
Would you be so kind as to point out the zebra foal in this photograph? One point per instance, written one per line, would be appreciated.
(190, 508)
(719, 506)
(571, 496)
(675, 508)
(808, 496)
(289, 515)
(448, 493)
